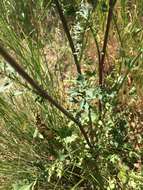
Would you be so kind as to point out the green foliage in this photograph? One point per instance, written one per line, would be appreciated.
(24, 187)
(39, 147)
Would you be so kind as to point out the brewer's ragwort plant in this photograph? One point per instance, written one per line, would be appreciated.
(71, 95)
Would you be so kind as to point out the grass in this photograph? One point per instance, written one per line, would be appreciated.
(40, 146)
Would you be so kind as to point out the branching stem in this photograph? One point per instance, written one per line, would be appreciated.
(11, 61)
(67, 32)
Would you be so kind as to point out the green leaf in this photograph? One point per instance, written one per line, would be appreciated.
(30, 186)
(37, 134)
(6, 85)
(122, 176)
(104, 7)
(65, 132)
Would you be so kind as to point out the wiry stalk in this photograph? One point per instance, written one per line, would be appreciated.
(101, 64)
(39, 90)
(67, 32)
(103, 52)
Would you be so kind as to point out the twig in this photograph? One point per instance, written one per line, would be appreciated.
(66, 29)
(11, 61)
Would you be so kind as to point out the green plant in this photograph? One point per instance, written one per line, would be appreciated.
(83, 131)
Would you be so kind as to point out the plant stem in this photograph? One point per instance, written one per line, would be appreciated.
(66, 29)
(103, 52)
(83, 37)
(39, 90)
(118, 31)
(120, 40)
(96, 42)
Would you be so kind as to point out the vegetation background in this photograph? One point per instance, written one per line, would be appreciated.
(71, 94)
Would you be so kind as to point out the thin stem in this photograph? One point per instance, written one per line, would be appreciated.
(87, 24)
(118, 31)
(66, 29)
(11, 61)
(103, 52)
(101, 65)
(83, 37)
(90, 124)
(120, 39)
(96, 42)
